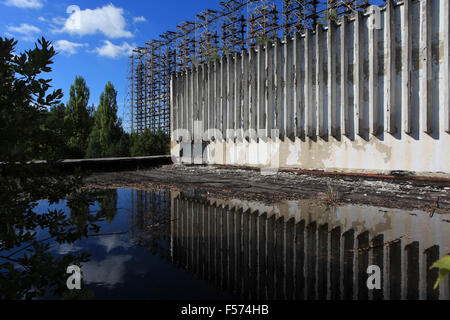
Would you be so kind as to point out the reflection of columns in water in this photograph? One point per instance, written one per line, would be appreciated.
(150, 220)
(267, 256)
(299, 260)
(290, 241)
(378, 260)
(363, 264)
(432, 255)
(311, 261)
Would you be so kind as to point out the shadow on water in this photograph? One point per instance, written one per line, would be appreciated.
(170, 245)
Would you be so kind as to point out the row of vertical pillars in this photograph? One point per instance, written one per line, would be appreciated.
(385, 72)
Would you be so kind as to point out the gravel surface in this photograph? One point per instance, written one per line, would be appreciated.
(432, 197)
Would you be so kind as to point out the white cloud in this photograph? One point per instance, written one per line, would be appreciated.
(115, 241)
(42, 19)
(24, 28)
(139, 19)
(59, 21)
(67, 47)
(32, 4)
(108, 272)
(113, 51)
(108, 20)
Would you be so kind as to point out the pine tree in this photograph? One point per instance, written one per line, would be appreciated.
(106, 136)
(78, 119)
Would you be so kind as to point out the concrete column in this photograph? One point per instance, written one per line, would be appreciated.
(230, 94)
(331, 83)
(186, 101)
(195, 98)
(173, 105)
(260, 105)
(297, 103)
(205, 97)
(218, 95)
(407, 65)
(191, 106)
(253, 92)
(223, 95)
(246, 93)
(278, 86)
(319, 107)
(288, 96)
(199, 97)
(269, 86)
(373, 72)
(426, 71)
(308, 84)
(238, 95)
(446, 78)
(344, 78)
(358, 71)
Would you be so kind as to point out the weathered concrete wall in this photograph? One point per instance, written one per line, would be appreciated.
(368, 94)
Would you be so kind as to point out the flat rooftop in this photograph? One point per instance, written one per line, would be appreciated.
(228, 183)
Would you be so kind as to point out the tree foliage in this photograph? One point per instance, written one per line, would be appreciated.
(27, 268)
(78, 118)
(150, 144)
(107, 136)
(444, 269)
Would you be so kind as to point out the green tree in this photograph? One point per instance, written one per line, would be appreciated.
(150, 144)
(27, 268)
(78, 118)
(54, 122)
(107, 137)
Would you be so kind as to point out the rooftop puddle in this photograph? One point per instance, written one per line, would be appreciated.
(171, 245)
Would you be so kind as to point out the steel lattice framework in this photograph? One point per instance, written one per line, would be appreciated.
(237, 25)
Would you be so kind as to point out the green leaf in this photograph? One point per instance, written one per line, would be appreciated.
(444, 269)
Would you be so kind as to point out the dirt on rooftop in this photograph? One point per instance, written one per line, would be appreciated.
(227, 183)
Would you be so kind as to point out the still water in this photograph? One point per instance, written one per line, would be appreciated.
(171, 245)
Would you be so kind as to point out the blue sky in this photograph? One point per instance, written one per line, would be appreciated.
(98, 50)
(94, 38)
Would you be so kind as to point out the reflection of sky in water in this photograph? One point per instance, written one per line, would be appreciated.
(118, 269)
(129, 261)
